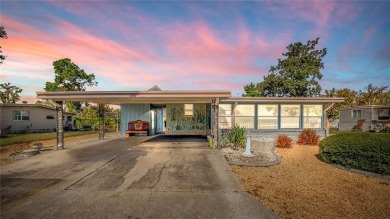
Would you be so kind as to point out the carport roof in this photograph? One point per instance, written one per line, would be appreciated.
(121, 97)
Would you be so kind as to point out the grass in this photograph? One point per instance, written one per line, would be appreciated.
(31, 137)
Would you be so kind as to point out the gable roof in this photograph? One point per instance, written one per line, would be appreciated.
(155, 88)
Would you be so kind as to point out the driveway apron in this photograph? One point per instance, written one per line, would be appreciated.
(136, 177)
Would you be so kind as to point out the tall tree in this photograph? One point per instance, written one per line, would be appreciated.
(9, 93)
(296, 75)
(374, 95)
(351, 99)
(3, 35)
(70, 77)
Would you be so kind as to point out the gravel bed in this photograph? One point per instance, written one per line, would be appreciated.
(302, 186)
(264, 155)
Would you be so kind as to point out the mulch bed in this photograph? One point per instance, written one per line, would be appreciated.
(302, 186)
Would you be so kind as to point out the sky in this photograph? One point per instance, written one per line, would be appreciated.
(191, 45)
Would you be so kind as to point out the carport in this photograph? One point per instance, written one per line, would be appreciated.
(131, 101)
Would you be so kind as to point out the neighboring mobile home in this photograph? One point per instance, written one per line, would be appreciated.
(371, 115)
(20, 118)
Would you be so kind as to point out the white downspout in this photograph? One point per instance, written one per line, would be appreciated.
(326, 128)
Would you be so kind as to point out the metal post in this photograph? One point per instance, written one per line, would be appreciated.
(101, 123)
(117, 121)
(215, 121)
(60, 125)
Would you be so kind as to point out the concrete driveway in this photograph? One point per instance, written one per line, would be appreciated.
(136, 177)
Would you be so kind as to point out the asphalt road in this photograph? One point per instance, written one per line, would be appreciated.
(136, 177)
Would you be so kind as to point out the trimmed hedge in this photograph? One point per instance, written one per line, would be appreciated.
(364, 151)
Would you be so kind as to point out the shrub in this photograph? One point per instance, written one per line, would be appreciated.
(237, 136)
(308, 136)
(359, 125)
(364, 151)
(283, 141)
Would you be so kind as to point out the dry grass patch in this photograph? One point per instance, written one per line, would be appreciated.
(304, 187)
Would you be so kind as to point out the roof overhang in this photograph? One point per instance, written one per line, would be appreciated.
(283, 100)
(123, 97)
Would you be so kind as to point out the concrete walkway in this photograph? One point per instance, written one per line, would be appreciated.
(136, 177)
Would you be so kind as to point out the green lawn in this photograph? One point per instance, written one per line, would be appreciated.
(31, 137)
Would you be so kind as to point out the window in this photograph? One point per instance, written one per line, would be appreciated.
(312, 116)
(188, 109)
(356, 114)
(384, 114)
(225, 116)
(267, 116)
(244, 116)
(21, 115)
(290, 116)
(50, 116)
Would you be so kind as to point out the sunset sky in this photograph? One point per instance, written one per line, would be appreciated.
(191, 45)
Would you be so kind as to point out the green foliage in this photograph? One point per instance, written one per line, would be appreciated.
(308, 137)
(359, 125)
(225, 139)
(294, 76)
(365, 151)
(238, 137)
(70, 77)
(283, 141)
(9, 93)
(3, 35)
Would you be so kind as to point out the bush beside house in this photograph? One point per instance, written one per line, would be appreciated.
(363, 151)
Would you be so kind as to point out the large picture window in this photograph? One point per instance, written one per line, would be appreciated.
(225, 116)
(312, 116)
(267, 116)
(21, 115)
(290, 116)
(244, 115)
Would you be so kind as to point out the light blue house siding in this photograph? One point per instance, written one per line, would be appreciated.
(132, 112)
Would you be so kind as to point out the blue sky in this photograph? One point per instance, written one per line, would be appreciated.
(191, 45)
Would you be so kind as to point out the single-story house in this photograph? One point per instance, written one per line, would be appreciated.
(371, 114)
(207, 113)
(20, 118)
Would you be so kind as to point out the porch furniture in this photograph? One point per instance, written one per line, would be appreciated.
(138, 127)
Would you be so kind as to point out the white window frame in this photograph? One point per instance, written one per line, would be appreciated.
(356, 114)
(283, 125)
(189, 110)
(21, 115)
(226, 115)
(308, 125)
(259, 117)
(245, 116)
